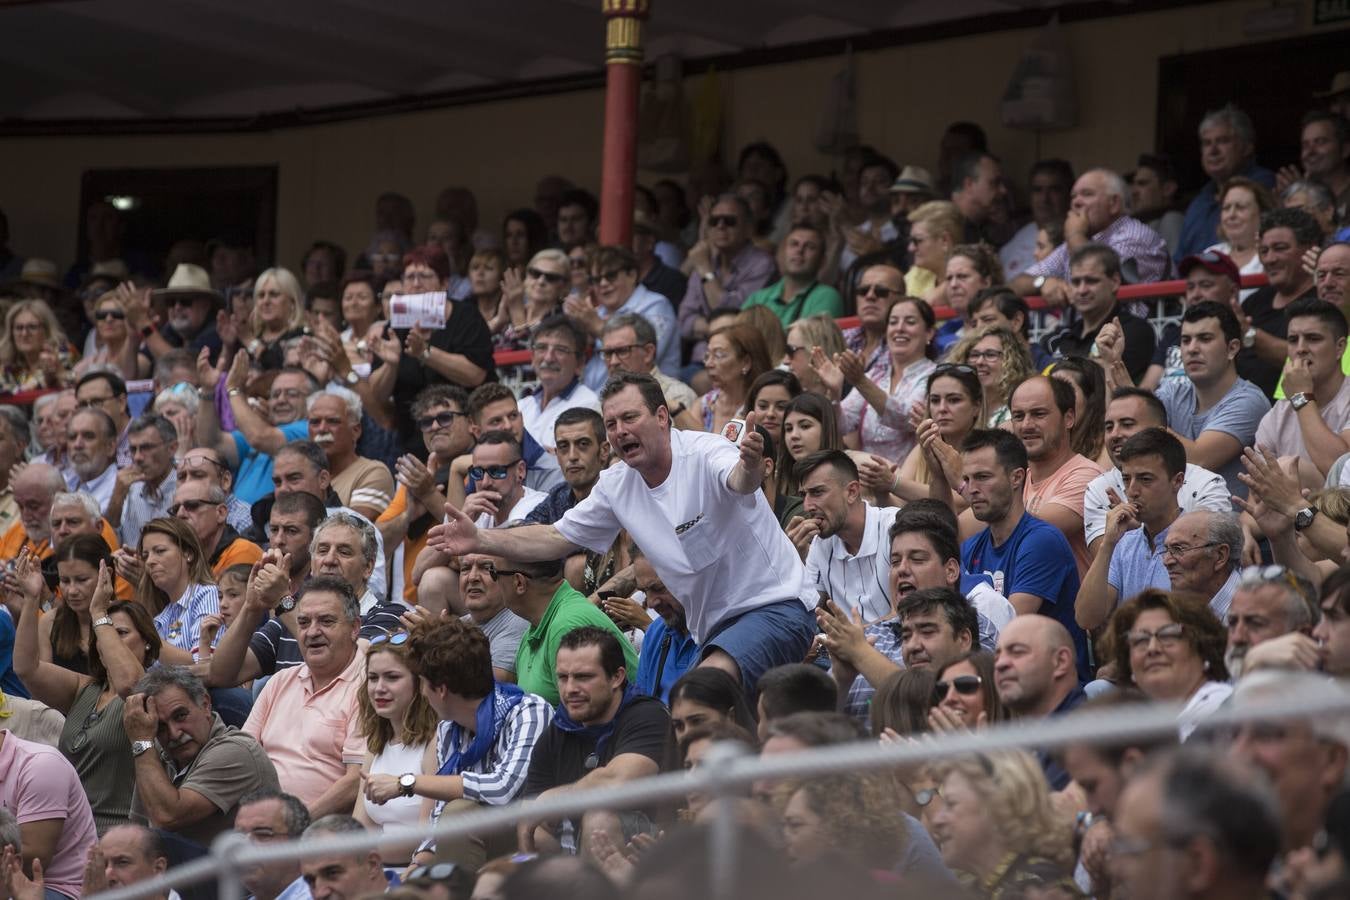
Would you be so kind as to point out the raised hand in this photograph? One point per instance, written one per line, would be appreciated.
(841, 632)
(852, 364)
(14, 883)
(876, 474)
(237, 378)
(1111, 342)
(829, 373)
(210, 627)
(410, 472)
(1120, 518)
(1286, 176)
(752, 446)
(801, 531)
(104, 594)
(1298, 377)
(625, 612)
(417, 342)
(457, 535)
(482, 501)
(513, 289)
(1275, 486)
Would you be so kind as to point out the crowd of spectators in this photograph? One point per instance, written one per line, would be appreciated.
(280, 560)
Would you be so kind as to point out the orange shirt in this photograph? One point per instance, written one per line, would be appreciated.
(397, 507)
(1066, 488)
(16, 538)
(239, 551)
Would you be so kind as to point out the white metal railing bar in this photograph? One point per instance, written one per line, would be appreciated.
(232, 852)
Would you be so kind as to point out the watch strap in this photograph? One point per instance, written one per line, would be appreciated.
(139, 747)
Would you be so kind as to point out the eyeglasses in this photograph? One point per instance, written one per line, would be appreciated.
(490, 570)
(394, 640)
(880, 291)
(420, 277)
(724, 221)
(983, 355)
(81, 739)
(550, 277)
(496, 473)
(183, 301)
(440, 420)
(609, 353)
(793, 349)
(925, 796)
(437, 872)
(191, 506)
(1167, 636)
(965, 685)
(88, 402)
(24, 327)
(611, 276)
(105, 314)
(560, 349)
(202, 460)
(1253, 575)
(954, 367)
(1176, 551)
(287, 393)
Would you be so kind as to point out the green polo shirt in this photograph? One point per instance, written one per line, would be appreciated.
(818, 298)
(538, 651)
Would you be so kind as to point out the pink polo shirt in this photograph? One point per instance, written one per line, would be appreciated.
(311, 736)
(1065, 487)
(37, 783)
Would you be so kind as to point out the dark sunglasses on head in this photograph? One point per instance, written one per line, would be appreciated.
(966, 686)
(394, 640)
(496, 473)
(550, 277)
(880, 291)
(437, 872)
(723, 221)
(104, 314)
(954, 367)
(190, 505)
(440, 420)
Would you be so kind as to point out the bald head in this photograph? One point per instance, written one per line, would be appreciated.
(34, 488)
(1034, 665)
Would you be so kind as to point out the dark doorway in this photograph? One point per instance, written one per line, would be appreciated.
(1272, 82)
(161, 206)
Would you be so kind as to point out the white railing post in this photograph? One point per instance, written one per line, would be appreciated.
(723, 837)
(226, 849)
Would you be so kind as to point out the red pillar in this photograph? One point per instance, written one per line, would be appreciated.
(623, 82)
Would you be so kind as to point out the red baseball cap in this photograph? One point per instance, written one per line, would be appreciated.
(1214, 261)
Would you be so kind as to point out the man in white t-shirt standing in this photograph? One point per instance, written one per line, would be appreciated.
(692, 501)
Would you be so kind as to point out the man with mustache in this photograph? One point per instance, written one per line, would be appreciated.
(308, 719)
(210, 765)
(365, 485)
(1271, 609)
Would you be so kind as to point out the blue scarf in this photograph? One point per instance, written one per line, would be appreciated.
(492, 712)
(601, 732)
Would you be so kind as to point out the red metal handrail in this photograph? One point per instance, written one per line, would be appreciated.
(522, 357)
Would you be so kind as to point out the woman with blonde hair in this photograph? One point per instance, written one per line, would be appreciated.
(934, 229)
(116, 345)
(398, 725)
(176, 587)
(997, 828)
(762, 319)
(278, 316)
(855, 817)
(1000, 360)
(34, 352)
(804, 334)
(179, 405)
(538, 296)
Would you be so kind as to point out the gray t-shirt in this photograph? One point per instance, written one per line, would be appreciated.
(1238, 413)
(504, 632)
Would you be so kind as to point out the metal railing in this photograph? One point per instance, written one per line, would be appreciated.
(724, 772)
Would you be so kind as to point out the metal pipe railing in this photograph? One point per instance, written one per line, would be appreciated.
(231, 853)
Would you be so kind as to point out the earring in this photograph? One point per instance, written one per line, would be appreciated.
(1206, 665)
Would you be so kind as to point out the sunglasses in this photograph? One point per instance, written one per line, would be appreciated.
(1266, 574)
(880, 291)
(397, 639)
(611, 276)
(953, 367)
(191, 506)
(550, 277)
(440, 420)
(965, 685)
(104, 315)
(438, 872)
(723, 221)
(793, 349)
(496, 473)
(490, 570)
(81, 739)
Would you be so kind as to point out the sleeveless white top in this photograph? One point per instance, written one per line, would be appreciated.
(396, 760)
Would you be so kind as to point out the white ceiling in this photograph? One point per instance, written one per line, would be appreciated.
(203, 59)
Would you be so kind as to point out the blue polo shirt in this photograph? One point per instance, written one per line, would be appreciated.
(681, 656)
(1035, 559)
(253, 481)
(1136, 567)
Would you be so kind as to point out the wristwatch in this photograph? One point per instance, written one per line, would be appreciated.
(233, 392)
(426, 354)
(406, 783)
(147, 330)
(1249, 336)
(254, 347)
(1304, 517)
(352, 378)
(139, 747)
(284, 605)
(1038, 282)
(102, 620)
(1299, 400)
(709, 276)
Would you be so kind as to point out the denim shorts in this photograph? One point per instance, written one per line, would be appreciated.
(762, 638)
